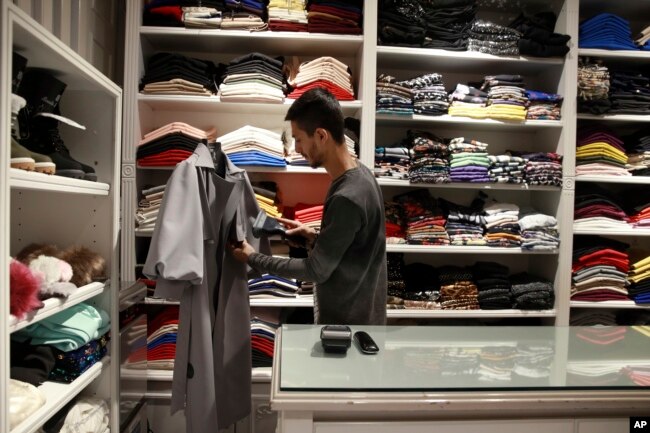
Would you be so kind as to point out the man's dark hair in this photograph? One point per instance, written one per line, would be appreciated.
(318, 108)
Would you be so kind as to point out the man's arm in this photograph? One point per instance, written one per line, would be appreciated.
(340, 225)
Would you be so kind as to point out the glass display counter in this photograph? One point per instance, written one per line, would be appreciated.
(463, 377)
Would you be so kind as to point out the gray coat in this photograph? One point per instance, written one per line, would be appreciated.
(188, 257)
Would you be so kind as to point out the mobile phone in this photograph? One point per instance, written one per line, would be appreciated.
(365, 342)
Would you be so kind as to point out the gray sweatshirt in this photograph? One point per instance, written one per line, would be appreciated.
(348, 260)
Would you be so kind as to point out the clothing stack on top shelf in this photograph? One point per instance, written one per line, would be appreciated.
(172, 73)
(600, 152)
(252, 146)
(162, 330)
(326, 72)
(272, 286)
(597, 209)
(254, 77)
(335, 16)
(170, 144)
(606, 31)
(287, 16)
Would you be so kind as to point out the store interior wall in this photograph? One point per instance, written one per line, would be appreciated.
(93, 28)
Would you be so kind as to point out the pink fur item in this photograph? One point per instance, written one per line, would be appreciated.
(24, 287)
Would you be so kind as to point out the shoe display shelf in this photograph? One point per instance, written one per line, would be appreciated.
(40, 208)
(638, 16)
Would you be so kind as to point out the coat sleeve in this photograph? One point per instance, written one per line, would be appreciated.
(341, 223)
(175, 258)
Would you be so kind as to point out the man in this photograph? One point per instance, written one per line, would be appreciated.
(347, 260)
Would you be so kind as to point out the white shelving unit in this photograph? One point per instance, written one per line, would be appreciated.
(55, 305)
(555, 75)
(37, 208)
(638, 15)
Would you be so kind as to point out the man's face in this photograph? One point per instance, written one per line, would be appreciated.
(308, 146)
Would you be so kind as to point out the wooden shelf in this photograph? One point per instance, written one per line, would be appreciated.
(31, 180)
(383, 181)
(608, 304)
(461, 61)
(300, 301)
(466, 122)
(259, 375)
(212, 104)
(243, 41)
(612, 232)
(631, 118)
(632, 180)
(55, 305)
(449, 314)
(57, 395)
(629, 55)
(448, 249)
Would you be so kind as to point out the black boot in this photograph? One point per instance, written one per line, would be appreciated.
(41, 134)
(44, 138)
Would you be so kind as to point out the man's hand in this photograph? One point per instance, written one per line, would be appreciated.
(296, 228)
(242, 251)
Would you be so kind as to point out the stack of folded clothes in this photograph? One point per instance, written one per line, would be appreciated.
(606, 31)
(637, 147)
(507, 168)
(538, 231)
(268, 205)
(147, 213)
(543, 106)
(161, 13)
(542, 168)
(537, 35)
(70, 365)
(494, 288)
(639, 213)
(162, 332)
(425, 221)
(249, 145)
(254, 77)
(335, 16)
(271, 286)
(400, 23)
(392, 162)
(263, 341)
(534, 362)
(599, 270)
(593, 86)
(60, 347)
(395, 281)
(639, 277)
(600, 152)
(490, 38)
(309, 215)
(595, 209)
(468, 161)
(429, 163)
(532, 293)
(465, 224)
(393, 97)
(287, 16)
(422, 287)
(395, 225)
(170, 144)
(429, 94)
(175, 74)
(507, 98)
(593, 318)
(496, 363)
(502, 225)
(643, 39)
(198, 17)
(629, 92)
(447, 24)
(326, 72)
(457, 288)
(245, 15)
(468, 101)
